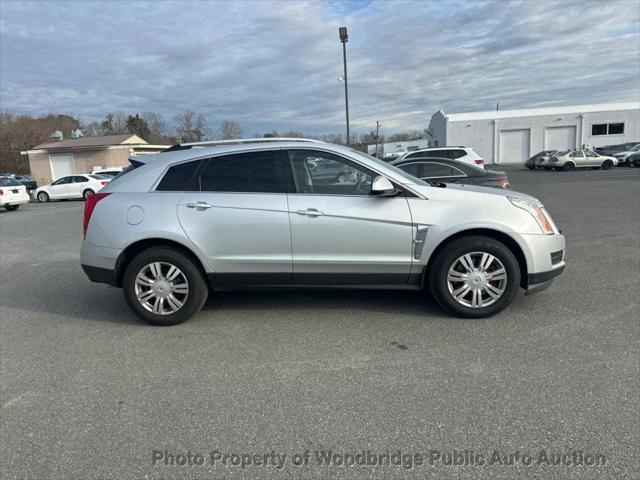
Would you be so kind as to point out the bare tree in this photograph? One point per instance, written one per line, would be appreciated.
(158, 132)
(115, 123)
(192, 127)
(228, 130)
(93, 129)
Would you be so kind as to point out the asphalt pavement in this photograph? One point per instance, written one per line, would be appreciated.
(265, 384)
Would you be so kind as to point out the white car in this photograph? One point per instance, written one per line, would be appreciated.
(12, 193)
(111, 171)
(462, 154)
(72, 186)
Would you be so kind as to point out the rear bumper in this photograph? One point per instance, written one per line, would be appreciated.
(99, 263)
(15, 200)
(100, 275)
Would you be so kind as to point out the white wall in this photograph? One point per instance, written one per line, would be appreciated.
(483, 135)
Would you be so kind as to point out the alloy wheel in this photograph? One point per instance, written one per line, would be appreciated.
(477, 279)
(161, 288)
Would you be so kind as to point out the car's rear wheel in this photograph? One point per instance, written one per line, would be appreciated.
(11, 208)
(87, 193)
(164, 287)
(474, 277)
(43, 197)
(607, 164)
(567, 167)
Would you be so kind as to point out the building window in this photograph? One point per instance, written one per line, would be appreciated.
(607, 129)
(616, 128)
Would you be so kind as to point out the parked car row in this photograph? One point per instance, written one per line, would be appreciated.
(570, 160)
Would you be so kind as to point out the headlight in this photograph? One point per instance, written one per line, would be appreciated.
(537, 211)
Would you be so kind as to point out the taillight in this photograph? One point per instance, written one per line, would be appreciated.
(504, 182)
(479, 161)
(1, 192)
(89, 206)
(103, 183)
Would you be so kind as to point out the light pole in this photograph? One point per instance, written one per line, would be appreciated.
(344, 37)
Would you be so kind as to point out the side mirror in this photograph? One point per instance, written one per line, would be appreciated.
(381, 186)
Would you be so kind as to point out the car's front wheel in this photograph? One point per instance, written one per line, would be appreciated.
(164, 287)
(43, 197)
(474, 277)
(87, 193)
(607, 164)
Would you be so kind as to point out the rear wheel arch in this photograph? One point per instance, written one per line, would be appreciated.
(130, 252)
(497, 235)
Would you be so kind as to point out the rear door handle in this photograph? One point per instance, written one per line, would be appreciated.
(310, 212)
(203, 205)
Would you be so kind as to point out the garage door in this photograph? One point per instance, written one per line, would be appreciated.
(61, 165)
(560, 138)
(514, 145)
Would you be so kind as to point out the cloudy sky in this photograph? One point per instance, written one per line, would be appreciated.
(274, 65)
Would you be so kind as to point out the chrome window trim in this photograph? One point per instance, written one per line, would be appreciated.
(260, 148)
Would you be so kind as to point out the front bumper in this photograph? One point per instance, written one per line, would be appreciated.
(545, 256)
(536, 282)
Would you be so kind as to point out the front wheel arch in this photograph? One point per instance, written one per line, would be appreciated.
(505, 239)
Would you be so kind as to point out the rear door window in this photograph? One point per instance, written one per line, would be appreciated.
(457, 153)
(244, 172)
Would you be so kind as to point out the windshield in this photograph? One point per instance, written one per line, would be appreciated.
(384, 164)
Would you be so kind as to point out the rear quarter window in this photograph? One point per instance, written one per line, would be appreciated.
(179, 178)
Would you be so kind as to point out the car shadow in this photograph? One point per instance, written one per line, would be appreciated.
(61, 289)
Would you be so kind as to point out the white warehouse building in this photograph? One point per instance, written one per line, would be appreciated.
(512, 136)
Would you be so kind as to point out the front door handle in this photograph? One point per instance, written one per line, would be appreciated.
(203, 205)
(310, 212)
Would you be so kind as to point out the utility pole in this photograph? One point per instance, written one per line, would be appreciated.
(344, 37)
(377, 135)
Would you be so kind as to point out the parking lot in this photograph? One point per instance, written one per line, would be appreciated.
(89, 391)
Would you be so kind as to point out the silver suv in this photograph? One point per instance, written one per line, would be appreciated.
(204, 217)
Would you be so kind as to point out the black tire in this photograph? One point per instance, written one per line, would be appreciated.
(196, 297)
(43, 197)
(11, 208)
(607, 164)
(87, 193)
(567, 167)
(448, 255)
(547, 168)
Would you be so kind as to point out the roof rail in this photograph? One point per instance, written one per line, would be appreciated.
(212, 143)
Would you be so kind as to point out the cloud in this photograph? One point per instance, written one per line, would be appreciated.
(274, 65)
